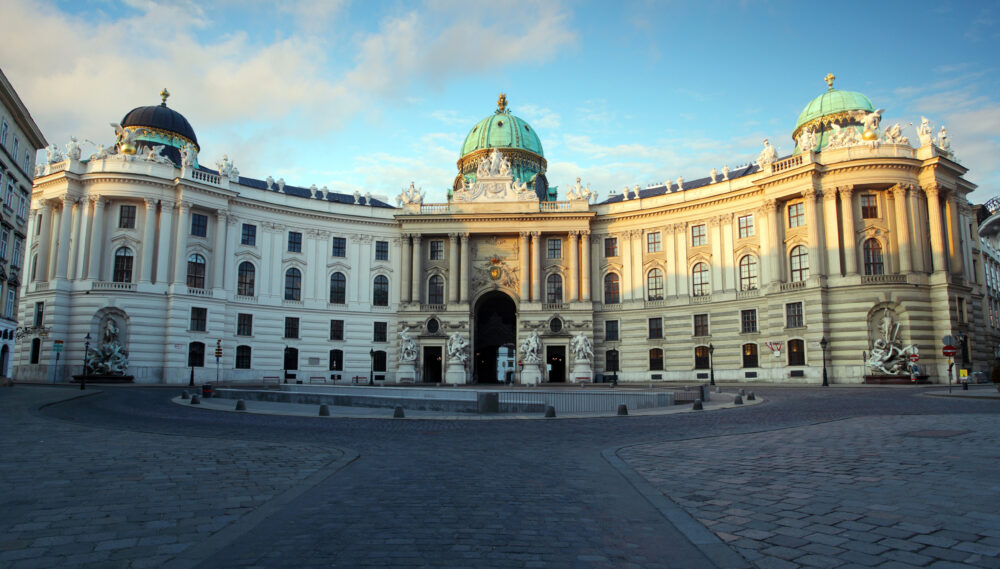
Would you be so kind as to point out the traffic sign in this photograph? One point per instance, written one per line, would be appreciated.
(914, 357)
(949, 351)
(948, 341)
(57, 346)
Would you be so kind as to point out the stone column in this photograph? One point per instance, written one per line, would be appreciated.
(585, 267)
(728, 253)
(418, 257)
(44, 242)
(219, 250)
(830, 228)
(50, 269)
(811, 199)
(453, 275)
(231, 266)
(638, 279)
(309, 252)
(536, 266)
(715, 238)
(918, 227)
(81, 250)
(74, 239)
(65, 223)
(279, 243)
(148, 243)
(670, 252)
(405, 262)
(464, 270)
(180, 244)
(366, 284)
(162, 242)
(625, 250)
(572, 294)
(904, 237)
(954, 233)
(265, 269)
(936, 229)
(525, 267)
(776, 253)
(763, 214)
(850, 236)
(680, 263)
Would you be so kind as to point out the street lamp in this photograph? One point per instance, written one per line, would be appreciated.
(284, 363)
(711, 364)
(823, 344)
(371, 369)
(86, 352)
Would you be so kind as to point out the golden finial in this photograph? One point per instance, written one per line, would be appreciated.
(829, 80)
(163, 95)
(502, 103)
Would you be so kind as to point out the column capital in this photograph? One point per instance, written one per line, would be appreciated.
(771, 205)
(535, 233)
(150, 202)
(935, 190)
(845, 191)
(233, 220)
(184, 207)
(221, 216)
(416, 237)
(453, 236)
(901, 190)
(464, 236)
(829, 194)
(811, 193)
(524, 234)
(96, 201)
(584, 232)
(573, 234)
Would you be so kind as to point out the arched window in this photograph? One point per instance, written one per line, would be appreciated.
(799, 262)
(247, 275)
(873, 257)
(553, 289)
(338, 288)
(435, 290)
(611, 360)
(196, 271)
(749, 278)
(701, 357)
(699, 280)
(336, 360)
(196, 354)
(380, 291)
(654, 284)
(749, 355)
(123, 266)
(656, 359)
(36, 350)
(796, 353)
(293, 284)
(243, 357)
(611, 292)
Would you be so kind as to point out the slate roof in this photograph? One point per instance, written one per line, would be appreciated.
(299, 191)
(688, 184)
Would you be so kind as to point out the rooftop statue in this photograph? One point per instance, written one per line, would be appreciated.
(894, 135)
(270, 182)
(767, 155)
(725, 172)
(188, 154)
(52, 154)
(411, 195)
(73, 149)
(871, 125)
(807, 140)
(125, 139)
(924, 132)
(713, 174)
(625, 193)
(680, 183)
(943, 142)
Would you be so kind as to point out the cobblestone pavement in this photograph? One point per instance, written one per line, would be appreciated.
(432, 493)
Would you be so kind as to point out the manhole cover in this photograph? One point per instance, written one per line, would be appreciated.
(939, 434)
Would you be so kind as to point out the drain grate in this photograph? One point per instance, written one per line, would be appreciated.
(932, 434)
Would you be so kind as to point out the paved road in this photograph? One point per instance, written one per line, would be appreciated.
(125, 479)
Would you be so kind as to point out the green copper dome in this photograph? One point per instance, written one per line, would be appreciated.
(831, 102)
(502, 130)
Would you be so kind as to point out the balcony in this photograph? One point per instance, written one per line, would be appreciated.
(883, 279)
(792, 286)
(106, 285)
(703, 299)
(433, 307)
(198, 291)
(245, 299)
(752, 293)
(553, 306)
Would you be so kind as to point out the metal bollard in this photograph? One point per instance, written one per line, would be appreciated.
(324, 411)
(737, 400)
(622, 409)
(195, 400)
(697, 405)
(241, 405)
(398, 412)
(751, 396)
(550, 411)
(185, 396)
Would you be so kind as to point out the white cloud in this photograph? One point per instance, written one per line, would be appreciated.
(539, 117)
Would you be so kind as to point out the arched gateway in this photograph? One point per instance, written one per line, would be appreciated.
(494, 355)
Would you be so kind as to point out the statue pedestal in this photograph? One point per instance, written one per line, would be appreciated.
(406, 372)
(531, 374)
(455, 373)
(582, 371)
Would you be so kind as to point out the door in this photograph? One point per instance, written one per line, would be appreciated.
(432, 364)
(555, 357)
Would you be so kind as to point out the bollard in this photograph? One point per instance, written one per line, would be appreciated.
(737, 400)
(718, 389)
(324, 411)
(184, 395)
(195, 400)
(550, 411)
(623, 409)
(743, 392)
(241, 405)
(697, 405)
(751, 396)
(398, 413)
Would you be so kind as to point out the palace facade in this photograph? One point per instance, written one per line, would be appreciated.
(775, 271)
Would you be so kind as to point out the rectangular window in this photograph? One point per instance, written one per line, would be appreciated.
(22, 205)
(655, 328)
(199, 225)
(291, 327)
(701, 324)
(611, 331)
(199, 319)
(796, 215)
(126, 217)
(243, 357)
(4, 238)
(8, 309)
(869, 206)
(656, 359)
(748, 321)
(653, 244)
(746, 226)
(339, 247)
(249, 236)
(3, 133)
(554, 247)
(336, 360)
(381, 250)
(698, 235)
(793, 315)
(244, 324)
(14, 150)
(294, 242)
(15, 258)
(611, 247)
(611, 360)
(437, 250)
(39, 311)
(8, 201)
(381, 332)
(336, 329)
(379, 361)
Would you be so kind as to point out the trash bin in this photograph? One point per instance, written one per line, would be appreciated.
(206, 391)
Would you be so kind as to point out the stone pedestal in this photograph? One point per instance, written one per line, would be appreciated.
(582, 371)
(407, 372)
(531, 374)
(455, 373)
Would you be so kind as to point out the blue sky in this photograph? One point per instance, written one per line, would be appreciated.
(371, 95)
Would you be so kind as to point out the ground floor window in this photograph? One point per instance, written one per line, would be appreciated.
(336, 360)
(656, 359)
(378, 361)
(796, 353)
(701, 357)
(611, 360)
(749, 355)
(196, 354)
(243, 357)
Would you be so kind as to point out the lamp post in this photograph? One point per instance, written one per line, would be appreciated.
(284, 363)
(823, 344)
(711, 365)
(371, 368)
(86, 352)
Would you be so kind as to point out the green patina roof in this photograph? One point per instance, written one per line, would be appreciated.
(502, 130)
(834, 101)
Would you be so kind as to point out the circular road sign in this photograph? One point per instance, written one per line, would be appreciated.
(914, 357)
(949, 351)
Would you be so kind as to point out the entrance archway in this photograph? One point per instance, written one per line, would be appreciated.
(494, 355)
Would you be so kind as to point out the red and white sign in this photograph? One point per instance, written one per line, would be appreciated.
(949, 351)
(914, 357)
